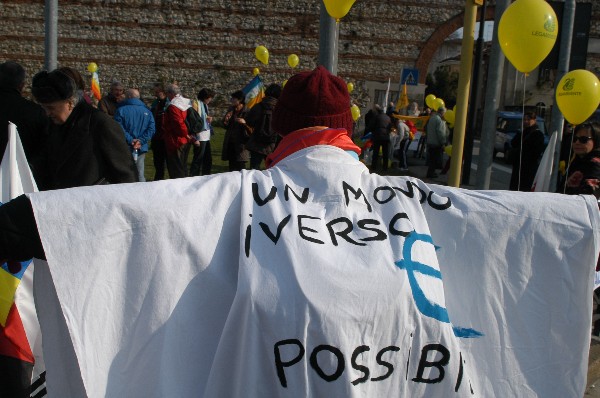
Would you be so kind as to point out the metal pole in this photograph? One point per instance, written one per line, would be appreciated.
(474, 100)
(328, 41)
(564, 58)
(51, 40)
(464, 80)
(492, 98)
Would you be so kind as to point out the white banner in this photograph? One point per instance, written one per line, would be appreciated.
(314, 278)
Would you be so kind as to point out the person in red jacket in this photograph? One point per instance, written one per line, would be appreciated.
(176, 135)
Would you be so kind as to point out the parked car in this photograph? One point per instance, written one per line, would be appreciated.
(508, 125)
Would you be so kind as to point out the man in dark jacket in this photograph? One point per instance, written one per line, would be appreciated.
(85, 145)
(262, 140)
(380, 127)
(32, 124)
(108, 104)
(525, 164)
(138, 124)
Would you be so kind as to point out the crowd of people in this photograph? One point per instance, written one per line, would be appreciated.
(70, 143)
(71, 139)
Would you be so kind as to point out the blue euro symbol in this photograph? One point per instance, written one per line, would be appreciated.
(424, 305)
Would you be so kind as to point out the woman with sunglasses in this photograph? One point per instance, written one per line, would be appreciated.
(583, 174)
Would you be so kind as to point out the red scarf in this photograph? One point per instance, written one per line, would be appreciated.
(308, 137)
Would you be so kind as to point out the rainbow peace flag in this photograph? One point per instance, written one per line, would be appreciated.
(254, 92)
(96, 86)
(20, 335)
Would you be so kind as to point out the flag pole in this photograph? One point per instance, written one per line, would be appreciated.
(464, 82)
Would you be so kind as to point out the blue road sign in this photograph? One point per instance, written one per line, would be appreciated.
(410, 77)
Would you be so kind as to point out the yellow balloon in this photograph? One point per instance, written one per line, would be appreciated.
(262, 54)
(350, 87)
(449, 116)
(255, 71)
(355, 112)
(438, 103)
(338, 8)
(92, 67)
(454, 109)
(527, 32)
(448, 150)
(429, 100)
(284, 82)
(578, 95)
(293, 60)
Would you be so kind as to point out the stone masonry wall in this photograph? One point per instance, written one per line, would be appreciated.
(211, 42)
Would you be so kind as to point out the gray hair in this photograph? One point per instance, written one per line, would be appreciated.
(115, 83)
(172, 89)
(132, 93)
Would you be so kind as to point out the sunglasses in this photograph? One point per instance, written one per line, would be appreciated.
(582, 139)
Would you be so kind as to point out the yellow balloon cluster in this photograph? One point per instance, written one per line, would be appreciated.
(527, 32)
(438, 103)
(338, 8)
(262, 54)
(578, 95)
(92, 67)
(429, 100)
(293, 60)
(433, 102)
(355, 112)
(450, 116)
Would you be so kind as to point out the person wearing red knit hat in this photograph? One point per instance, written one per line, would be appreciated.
(313, 109)
(313, 278)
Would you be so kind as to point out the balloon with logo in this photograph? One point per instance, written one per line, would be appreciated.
(450, 116)
(527, 32)
(578, 95)
(338, 8)
(262, 54)
(255, 71)
(429, 100)
(355, 112)
(438, 103)
(350, 87)
(92, 67)
(293, 60)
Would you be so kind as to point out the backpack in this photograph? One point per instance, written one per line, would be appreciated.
(194, 121)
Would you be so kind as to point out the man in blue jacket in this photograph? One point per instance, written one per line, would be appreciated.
(138, 124)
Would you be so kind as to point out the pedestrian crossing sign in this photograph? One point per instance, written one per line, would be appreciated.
(410, 77)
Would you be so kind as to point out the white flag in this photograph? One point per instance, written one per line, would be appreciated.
(16, 179)
(541, 183)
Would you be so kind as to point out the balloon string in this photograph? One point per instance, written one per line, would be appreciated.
(522, 133)
(569, 161)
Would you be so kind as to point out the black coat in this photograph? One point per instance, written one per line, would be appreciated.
(380, 127)
(30, 119)
(533, 148)
(88, 149)
(587, 172)
(236, 137)
(263, 138)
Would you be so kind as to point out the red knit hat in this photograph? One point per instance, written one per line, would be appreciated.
(315, 98)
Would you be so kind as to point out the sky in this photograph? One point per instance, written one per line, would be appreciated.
(487, 34)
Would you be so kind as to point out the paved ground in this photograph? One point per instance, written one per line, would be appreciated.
(499, 180)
